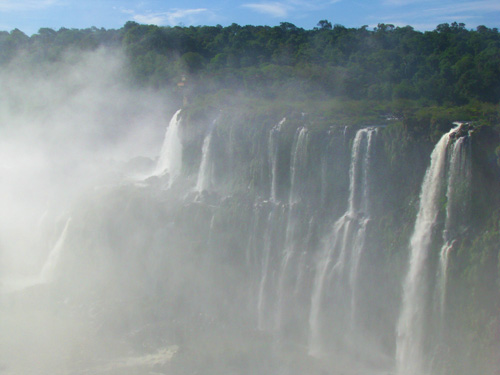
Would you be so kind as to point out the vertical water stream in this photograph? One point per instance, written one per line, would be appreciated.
(447, 164)
(343, 246)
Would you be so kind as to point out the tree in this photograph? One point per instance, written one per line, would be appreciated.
(324, 25)
(192, 62)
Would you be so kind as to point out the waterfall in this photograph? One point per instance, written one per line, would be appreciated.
(170, 160)
(411, 324)
(457, 197)
(299, 160)
(266, 258)
(47, 273)
(363, 210)
(273, 157)
(205, 173)
(271, 240)
(297, 172)
(344, 245)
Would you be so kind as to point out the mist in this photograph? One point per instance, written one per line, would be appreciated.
(66, 127)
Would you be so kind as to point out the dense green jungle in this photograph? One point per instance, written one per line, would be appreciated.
(338, 188)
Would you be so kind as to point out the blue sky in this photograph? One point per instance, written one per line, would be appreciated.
(31, 15)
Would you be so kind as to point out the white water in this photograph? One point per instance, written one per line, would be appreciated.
(299, 160)
(457, 195)
(263, 302)
(411, 324)
(205, 173)
(47, 273)
(347, 235)
(273, 157)
(170, 159)
(298, 163)
(364, 219)
(443, 275)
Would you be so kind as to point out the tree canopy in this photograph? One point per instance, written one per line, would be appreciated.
(450, 65)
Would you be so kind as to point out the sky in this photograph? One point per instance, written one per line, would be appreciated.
(31, 15)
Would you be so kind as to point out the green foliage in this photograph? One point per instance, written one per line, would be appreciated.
(191, 62)
(449, 66)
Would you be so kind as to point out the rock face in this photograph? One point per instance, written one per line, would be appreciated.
(283, 248)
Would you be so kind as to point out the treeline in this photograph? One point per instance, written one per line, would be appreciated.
(450, 65)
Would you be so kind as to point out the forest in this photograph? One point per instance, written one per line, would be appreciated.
(397, 69)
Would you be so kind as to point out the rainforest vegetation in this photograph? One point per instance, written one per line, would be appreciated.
(448, 73)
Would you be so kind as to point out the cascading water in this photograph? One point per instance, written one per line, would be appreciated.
(273, 158)
(457, 198)
(299, 162)
(344, 245)
(205, 173)
(271, 232)
(170, 159)
(410, 356)
(364, 219)
(272, 239)
(266, 258)
(297, 172)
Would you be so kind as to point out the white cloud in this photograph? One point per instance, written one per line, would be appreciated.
(172, 17)
(279, 10)
(150, 19)
(184, 15)
(24, 5)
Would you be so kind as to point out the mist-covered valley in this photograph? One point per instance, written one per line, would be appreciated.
(199, 226)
